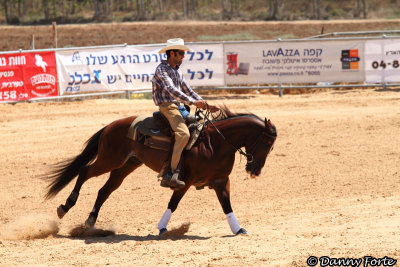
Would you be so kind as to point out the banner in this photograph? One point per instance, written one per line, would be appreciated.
(382, 61)
(294, 62)
(24, 76)
(27, 75)
(203, 66)
(132, 68)
(108, 69)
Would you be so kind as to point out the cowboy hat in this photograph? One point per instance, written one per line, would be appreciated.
(176, 43)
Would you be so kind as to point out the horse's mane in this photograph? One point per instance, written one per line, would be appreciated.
(225, 113)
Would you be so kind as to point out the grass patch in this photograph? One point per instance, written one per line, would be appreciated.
(337, 13)
(282, 36)
(287, 36)
(142, 96)
(394, 15)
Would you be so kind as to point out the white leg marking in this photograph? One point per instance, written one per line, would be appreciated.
(233, 223)
(165, 219)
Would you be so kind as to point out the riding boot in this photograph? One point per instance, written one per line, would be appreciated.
(172, 180)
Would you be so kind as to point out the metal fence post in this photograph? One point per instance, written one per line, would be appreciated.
(128, 94)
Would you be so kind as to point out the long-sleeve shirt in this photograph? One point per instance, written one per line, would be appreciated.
(169, 86)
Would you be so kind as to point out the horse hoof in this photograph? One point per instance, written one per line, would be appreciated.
(61, 212)
(90, 222)
(162, 231)
(242, 231)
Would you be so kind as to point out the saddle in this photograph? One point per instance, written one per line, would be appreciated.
(155, 131)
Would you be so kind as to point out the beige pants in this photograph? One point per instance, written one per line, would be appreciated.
(182, 135)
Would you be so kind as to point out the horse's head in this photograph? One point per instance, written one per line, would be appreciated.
(258, 147)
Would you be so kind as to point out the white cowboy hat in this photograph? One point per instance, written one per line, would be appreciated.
(176, 43)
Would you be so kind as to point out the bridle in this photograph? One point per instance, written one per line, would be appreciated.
(249, 157)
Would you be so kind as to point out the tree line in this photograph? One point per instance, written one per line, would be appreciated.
(78, 11)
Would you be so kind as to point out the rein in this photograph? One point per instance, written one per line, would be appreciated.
(248, 156)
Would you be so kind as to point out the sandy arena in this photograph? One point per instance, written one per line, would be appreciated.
(331, 187)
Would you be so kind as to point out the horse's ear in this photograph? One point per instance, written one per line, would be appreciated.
(267, 123)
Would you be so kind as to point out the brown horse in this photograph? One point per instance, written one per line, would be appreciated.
(208, 163)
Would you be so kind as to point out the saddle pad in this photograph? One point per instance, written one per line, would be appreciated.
(132, 129)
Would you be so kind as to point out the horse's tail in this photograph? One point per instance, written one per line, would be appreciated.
(66, 171)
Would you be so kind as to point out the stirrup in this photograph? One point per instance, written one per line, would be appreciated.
(172, 180)
(165, 179)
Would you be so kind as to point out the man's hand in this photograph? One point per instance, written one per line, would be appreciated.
(203, 104)
(200, 104)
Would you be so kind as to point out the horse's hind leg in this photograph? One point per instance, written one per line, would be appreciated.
(223, 193)
(116, 178)
(86, 172)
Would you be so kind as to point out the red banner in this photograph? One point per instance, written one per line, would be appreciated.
(27, 75)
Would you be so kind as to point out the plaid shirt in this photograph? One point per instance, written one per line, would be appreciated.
(169, 86)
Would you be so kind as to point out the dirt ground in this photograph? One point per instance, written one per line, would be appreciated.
(329, 188)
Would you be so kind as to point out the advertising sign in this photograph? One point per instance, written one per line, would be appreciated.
(294, 62)
(132, 68)
(203, 66)
(382, 61)
(27, 75)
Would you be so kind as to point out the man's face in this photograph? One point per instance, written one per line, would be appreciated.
(178, 56)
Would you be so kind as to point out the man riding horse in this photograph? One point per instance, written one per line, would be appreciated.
(170, 91)
(208, 163)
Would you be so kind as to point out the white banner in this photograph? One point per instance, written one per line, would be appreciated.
(382, 58)
(294, 62)
(132, 68)
(252, 63)
(204, 65)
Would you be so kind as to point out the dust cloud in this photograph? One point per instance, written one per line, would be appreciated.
(31, 226)
(82, 231)
(179, 231)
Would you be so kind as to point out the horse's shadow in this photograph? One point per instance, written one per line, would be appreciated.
(99, 235)
(117, 238)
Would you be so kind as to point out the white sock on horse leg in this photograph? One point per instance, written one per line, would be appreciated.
(233, 223)
(165, 219)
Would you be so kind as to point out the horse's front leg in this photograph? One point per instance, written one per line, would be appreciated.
(222, 188)
(172, 205)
